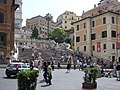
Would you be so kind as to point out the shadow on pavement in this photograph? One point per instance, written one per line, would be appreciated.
(13, 77)
(45, 85)
(41, 81)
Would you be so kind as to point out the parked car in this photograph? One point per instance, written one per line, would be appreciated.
(14, 67)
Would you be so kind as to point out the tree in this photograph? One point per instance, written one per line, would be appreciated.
(68, 40)
(48, 18)
(58, 35)
(34, 34)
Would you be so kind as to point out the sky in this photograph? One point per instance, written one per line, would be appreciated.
(32, 8)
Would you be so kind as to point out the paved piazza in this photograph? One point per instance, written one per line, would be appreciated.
(73, 80)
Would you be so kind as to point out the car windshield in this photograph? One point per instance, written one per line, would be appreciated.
(14, 65)
(24, 65)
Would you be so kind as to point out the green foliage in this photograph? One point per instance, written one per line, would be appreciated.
(34, 33)
(48, 17)
(58, 35)
(27, 80)
(90, 75)
(68, 40)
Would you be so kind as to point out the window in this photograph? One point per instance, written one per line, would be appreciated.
(113, 34)
(93, 47)
(65, 27)
(3, 1)
(65, 21)
(72, 18)
(104, 20)
(104, 46)
(77, 39)
(65, 16)
(77, 27)
(84, 25)
(93, 23)
(84, 37)
(84, 48)
(113, 20)
(104, 34)
(93, 36)
(113, 46)
(1, 17)
(2, 39)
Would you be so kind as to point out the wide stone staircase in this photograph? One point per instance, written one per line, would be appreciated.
(45, 54)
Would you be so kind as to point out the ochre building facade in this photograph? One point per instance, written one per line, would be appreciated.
(98, 31)
(7, 8)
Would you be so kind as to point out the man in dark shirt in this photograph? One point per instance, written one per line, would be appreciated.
(118, 71)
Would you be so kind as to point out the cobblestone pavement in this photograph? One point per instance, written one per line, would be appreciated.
(73, 81)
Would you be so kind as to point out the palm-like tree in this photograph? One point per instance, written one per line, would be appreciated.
(48, 18)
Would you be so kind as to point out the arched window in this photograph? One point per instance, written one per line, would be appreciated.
(1, 17)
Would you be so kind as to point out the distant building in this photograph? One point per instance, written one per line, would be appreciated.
(42, 25)
(7, 9)
(64, 21)
(98, 31)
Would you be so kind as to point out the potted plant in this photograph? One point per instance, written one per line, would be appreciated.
(27, 79)
(90, 78)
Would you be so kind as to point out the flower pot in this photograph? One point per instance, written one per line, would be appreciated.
(89, 85)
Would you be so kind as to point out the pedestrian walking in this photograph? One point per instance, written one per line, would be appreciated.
(52, 65)
(118, 71)
(80, 65)
(39, 65)
(45, 72)
(49, 72)
(58, 65)
(31, 65)
(68, 67)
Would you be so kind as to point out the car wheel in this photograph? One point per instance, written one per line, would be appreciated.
(8, 76)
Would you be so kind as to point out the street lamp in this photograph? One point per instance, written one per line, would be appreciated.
(48, 18)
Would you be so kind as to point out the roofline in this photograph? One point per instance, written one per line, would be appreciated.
(36, 17)
(95, 16)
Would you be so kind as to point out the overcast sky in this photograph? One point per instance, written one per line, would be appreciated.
(32, 8)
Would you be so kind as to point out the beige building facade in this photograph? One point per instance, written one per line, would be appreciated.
(98, 31)
(42, 25)
(64, 20)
